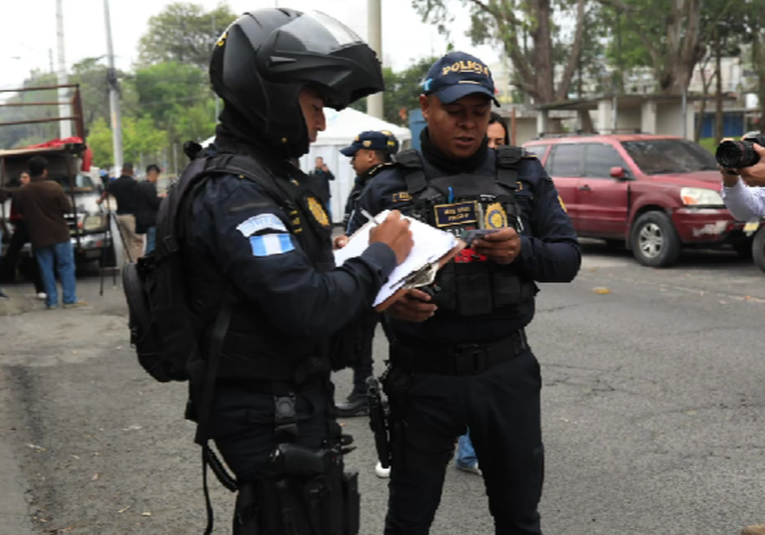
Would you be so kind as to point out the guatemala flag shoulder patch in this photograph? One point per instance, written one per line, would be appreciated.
(271, 244)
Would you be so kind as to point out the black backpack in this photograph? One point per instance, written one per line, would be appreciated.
(161, 327)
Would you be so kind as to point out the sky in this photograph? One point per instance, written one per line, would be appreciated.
(28, 31)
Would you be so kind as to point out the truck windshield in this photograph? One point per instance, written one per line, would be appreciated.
(665, 156)
(81, 183)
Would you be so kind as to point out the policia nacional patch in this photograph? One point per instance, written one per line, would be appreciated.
(317, 210)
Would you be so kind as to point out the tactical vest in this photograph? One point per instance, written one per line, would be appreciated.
(253, 348)
(470, 285)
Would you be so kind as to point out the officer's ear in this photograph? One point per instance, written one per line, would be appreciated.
(425, 106)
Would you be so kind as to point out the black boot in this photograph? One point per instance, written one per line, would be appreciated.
(355, 405)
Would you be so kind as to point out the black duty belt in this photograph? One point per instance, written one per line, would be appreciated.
(459, 359)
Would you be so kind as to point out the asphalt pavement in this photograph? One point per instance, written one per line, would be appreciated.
(652, 413)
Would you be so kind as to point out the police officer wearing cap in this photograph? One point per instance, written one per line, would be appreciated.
(260, 244)
(370, 152)
(459, 356)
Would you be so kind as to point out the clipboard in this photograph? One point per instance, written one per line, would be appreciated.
(422, 277)
(433, 248)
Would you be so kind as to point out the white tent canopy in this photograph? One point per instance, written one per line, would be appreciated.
(342, 128)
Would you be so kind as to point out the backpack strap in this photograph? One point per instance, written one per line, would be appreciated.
(508, 161)
(411, 161)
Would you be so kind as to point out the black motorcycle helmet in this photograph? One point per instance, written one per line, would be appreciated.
(265, 58)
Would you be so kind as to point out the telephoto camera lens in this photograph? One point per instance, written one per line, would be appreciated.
(736, 154)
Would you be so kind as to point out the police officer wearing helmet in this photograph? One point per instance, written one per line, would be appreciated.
(458, 351)
(259, 245)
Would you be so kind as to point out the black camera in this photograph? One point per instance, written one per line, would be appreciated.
(739, 154)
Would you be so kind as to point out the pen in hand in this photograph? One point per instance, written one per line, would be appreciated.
(368, 216)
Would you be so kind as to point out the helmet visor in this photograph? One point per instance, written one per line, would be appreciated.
(320, 52)
(319, 33)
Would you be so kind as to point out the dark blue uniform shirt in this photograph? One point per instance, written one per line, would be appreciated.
(549, 250)
(247, 236)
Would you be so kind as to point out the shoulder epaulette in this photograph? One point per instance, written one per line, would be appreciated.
(382, 166)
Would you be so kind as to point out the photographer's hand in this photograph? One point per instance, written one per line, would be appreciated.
(755, 175)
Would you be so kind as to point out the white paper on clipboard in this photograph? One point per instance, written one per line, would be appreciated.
(430, 244)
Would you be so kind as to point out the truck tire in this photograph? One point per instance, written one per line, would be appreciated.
(655, 242)
(758, 248)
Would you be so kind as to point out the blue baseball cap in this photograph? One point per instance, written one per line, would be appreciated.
(457, 75)
(372, 140)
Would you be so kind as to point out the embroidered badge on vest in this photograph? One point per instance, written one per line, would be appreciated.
(459, 213)
(495, 216)
(402, 196)
(318, 212)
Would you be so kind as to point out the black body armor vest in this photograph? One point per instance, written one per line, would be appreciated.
(470, 285)
(253, 348)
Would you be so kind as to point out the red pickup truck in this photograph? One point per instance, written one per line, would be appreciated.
(654, 194)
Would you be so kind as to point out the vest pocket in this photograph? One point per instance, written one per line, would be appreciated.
(506, 286)
(473, 289)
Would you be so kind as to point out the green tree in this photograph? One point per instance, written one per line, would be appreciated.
(139, 137)
(100, 142)
(402, 91)
(185, 33)
(14, 136)
(163, 87)
(528, 34)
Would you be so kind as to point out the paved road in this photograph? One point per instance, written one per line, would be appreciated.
(652, 406)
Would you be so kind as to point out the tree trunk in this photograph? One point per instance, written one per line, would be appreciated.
(705, 88)
(543, 56)
(718, 96)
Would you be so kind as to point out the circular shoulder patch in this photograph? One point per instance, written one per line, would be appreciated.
(495, 216)
(318, 212)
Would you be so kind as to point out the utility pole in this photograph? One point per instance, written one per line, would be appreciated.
(374, 36)
(114, 95)
(64, 109)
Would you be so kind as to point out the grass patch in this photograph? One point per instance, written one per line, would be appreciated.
(708, 143)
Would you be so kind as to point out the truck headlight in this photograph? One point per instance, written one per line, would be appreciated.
(94, 222)
(700, 197)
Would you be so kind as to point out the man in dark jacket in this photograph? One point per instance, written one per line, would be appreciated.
(147, 206)
(16, 242)
(42, 204)
(125, 190)
(318, 182)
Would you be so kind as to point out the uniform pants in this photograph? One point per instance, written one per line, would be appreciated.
(244, 430)
(501, 407)
(132, 243)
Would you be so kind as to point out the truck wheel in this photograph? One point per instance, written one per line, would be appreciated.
(655, 242)
(758, 248)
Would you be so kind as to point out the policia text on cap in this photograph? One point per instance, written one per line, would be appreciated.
(461, 358)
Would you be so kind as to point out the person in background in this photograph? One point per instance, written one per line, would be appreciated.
(147, 206)
(743, 191)
(43, 204)
(318, 182)
(16, 243)
(466, 459)
(125, 190)
(370, 152)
